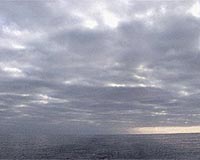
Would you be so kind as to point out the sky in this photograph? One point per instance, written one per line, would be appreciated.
(99, 66)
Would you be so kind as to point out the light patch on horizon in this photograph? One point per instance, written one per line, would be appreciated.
(165, 130)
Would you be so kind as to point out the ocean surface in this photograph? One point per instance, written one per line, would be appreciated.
(177, 146)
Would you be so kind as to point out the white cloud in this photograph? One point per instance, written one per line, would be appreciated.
(142, 68)
(18, 46)
(90, 24)
(183, 93)
(110, 19)
(12, 71)
(139, 77)
(195, 9)
(116, 85)
(45, 99)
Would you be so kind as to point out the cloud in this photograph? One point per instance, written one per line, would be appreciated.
(113, 66)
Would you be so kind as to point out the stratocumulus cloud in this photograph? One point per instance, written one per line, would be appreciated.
(98, 66)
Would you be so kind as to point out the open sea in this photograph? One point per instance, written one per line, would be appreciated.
(176, 146)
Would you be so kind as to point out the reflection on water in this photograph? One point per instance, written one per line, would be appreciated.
(180, 146)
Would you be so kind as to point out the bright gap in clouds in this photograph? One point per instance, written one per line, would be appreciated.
(90, 24)
(110, 19)
(195, 10)
(165, 130)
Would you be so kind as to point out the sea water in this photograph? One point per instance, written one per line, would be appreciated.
(177, 146)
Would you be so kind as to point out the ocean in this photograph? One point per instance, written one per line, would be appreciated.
(171, 146)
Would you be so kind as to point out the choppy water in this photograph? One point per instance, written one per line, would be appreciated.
(180, 146)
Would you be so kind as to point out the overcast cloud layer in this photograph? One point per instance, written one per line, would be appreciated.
(98, 66)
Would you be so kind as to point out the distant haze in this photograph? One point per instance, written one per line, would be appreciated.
(165, 130)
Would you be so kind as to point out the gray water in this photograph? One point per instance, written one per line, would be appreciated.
(179, 146)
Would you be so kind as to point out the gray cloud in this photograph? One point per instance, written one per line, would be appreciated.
(98, 67)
